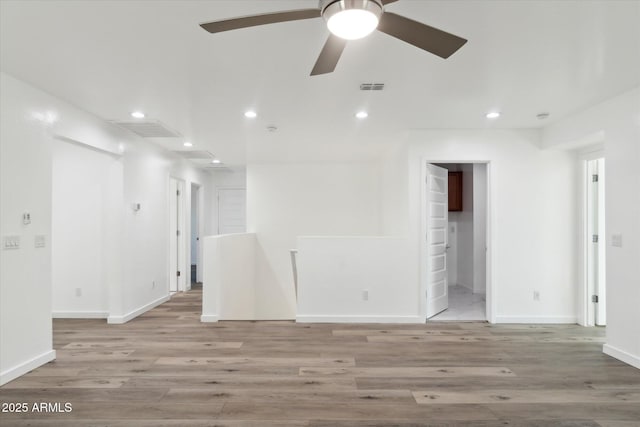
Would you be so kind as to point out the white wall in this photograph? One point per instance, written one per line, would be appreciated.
(479, 227)
(132, 261)
(465, 230)
(334, 273)
(25, 273)
(533, 206)
(286, 201)
(83, 179)
(617, 121)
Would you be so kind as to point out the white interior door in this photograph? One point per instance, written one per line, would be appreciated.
(232, 210)
(437, 206)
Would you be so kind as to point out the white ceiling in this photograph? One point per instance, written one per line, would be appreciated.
(522, 58)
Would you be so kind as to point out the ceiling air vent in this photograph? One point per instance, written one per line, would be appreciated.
(149, 129)
(371, 86)
(196, 155)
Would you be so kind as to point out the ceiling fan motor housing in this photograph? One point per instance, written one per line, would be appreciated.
(329, 8)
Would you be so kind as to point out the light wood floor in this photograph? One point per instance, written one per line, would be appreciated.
(166, 368)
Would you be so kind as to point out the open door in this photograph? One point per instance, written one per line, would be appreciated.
(437, 207)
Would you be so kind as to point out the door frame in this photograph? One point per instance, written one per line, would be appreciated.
(594, 152)
(200, 230)
(490, 290)
(182, 240)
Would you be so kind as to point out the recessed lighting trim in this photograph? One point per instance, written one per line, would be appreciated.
(251, 114)
(216, 161)
(493, 115)
(362, 114)
(187, 144)
(137, 115)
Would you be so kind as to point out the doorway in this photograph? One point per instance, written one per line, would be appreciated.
(177, 247)
(457, 234)
(594, 242)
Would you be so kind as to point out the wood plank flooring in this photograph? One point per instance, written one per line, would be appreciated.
(166, 368)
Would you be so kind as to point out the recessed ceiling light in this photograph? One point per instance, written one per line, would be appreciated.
(493, 115)
(216, 161)
(137, 115)
(362, 114)
(251, 114)
(187, 144)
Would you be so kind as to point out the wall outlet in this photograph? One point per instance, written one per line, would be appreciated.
(78, 292)
(365, 294)
(616, 240)
(536, 295)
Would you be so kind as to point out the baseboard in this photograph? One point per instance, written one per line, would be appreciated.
(209, 318)
(536, 319)
(17, 371)
(79, 314)
(621, 355)
(137, 312)
(359, 319)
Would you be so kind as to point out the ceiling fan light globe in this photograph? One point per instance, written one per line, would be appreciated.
(352, 24)
(351, 19)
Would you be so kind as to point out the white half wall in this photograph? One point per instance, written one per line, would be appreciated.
(285, 201)
(617, 122)
(355, 279)
(229, 278)
(25, 186)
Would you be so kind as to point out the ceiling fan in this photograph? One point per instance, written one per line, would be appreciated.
(351, 20)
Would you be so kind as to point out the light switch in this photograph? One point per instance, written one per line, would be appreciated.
(12, 242)
(40, 241)
(616, 240)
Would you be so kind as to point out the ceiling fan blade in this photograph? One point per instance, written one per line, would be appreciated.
(386, 2)
(420, 35)
(255, 20)
(329, 55)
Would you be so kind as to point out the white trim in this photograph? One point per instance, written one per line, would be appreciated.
(31, 364)
(329, 318)
(536, 319)
(621, 355)
(209, 318)
(137, 312)
(80, 314)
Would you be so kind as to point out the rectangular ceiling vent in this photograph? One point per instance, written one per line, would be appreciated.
(371, 86)
(149, 129)
(195, 155)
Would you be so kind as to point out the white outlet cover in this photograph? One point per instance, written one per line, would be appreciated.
(616, 240)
